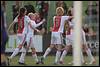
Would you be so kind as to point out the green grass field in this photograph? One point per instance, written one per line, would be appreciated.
(49, 61)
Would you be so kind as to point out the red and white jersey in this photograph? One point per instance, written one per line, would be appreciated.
(20, 24)
(59, 22)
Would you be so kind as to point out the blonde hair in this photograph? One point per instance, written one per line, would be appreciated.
(59, 11)
(30, 14)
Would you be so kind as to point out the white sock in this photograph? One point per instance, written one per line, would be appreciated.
(47, 52)
(22, 57)
(88, 51)
(15, 53)
(63, 55)
(35, 56)
(82, 58)
(57, 56)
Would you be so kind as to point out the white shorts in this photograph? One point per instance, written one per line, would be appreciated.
(21, 39)
(56, 38)
(30, 40)
(70, 38)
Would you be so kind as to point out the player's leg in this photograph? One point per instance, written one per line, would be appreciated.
(25, 49)
(67, 48)
(34, 55)
(87, 49)
(64, 53)
(22, 57)
(58, 42)
(82, 58)
(48, 50)
(58, 53)
(89, 53)
(21, 40)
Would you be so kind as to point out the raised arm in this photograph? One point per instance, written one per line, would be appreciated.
(70, 17)
(37, 30)
(15, 21)
(34, 25)
(11, 25)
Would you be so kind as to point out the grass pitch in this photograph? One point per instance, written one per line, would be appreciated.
(29, 60)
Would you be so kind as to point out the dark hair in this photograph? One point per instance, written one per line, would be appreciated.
(69, 13)
(29, 8)
(22, 11)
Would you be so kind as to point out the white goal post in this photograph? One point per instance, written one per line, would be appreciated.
(77, 43)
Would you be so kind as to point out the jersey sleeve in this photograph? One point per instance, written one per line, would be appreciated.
(34, 25)
(65, 17)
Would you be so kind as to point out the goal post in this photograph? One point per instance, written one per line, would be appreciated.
(77, 31)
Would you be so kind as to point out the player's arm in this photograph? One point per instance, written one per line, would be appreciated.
(67, 17)
(15, 21)
(70, 17)
(37, 30)
(34, 25)
(11, 25)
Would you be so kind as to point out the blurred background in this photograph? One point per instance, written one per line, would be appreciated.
(47, 10)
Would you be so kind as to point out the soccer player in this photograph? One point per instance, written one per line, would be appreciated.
(23, 22)
(69, 42)
(20, 19)
(29, 39)
(57, 31)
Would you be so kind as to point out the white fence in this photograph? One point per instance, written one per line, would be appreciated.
(12, 43)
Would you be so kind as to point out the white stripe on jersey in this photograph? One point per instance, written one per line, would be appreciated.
(62, 22)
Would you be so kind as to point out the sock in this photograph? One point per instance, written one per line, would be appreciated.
(82, 58)
(57, 56)
(63, 55)
(88, 51)
(47, 52)
(15, 53)
(35, 56)
(22, 55)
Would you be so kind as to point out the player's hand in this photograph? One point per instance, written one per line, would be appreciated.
(43, 20)
(38, 31)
